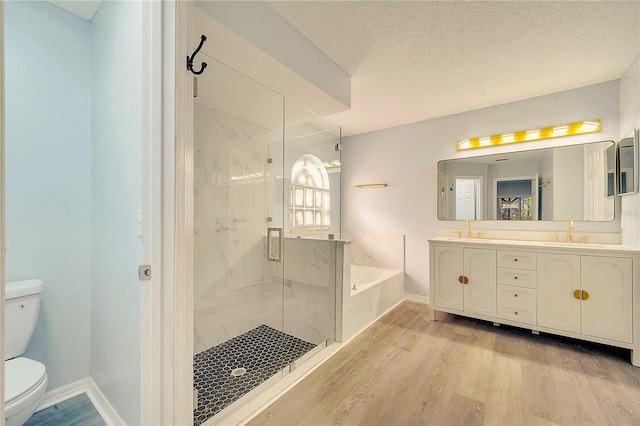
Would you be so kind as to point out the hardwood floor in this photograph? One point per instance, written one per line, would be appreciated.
(76, 411)
(407, 370)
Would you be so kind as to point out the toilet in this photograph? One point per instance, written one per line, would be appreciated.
(25, 379)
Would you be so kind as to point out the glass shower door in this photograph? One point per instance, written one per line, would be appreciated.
(312, 223)
(238, 335)
(248, 258)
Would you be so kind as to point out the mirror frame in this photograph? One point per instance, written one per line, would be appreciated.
(613, 148)
(635, 152)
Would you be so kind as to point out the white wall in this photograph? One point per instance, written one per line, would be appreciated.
(48, 175)
(406, 158)
(629, 120)
(116, 196)
(263, 27)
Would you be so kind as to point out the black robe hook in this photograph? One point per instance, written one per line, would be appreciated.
(190, 59)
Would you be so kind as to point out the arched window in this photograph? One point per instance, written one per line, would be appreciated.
(309, 194)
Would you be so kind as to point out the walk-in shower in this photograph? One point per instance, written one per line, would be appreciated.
(266, 180)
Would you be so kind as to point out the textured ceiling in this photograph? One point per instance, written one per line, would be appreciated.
(412, 61)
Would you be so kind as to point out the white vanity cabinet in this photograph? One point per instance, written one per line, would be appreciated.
(607, 305)
(465, 279)
(581, 291)
(591, 295)
(558, 279)
(516, 291)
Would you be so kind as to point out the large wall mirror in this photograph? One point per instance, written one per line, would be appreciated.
(575, 182)
(628, 158)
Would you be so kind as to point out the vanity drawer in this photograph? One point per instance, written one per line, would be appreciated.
(517, 259)
(517, 277)
(516, 304)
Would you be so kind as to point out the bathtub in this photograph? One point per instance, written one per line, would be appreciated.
(364, 277)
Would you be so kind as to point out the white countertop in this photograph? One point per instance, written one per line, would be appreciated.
(539, 244)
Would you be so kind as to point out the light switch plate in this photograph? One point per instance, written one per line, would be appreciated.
(139, 223)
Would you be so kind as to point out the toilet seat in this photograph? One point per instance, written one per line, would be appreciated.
(21, 376)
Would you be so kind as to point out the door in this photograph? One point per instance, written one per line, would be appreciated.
(558, 278)
(607, 310)
(466, 199)
(480, 290)
(449, 268)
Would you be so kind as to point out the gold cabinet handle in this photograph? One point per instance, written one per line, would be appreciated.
(581, 294)
(515, 312)
(465, 280)
(515, 278)
(515, 295)
(515, 260)
(461, 279)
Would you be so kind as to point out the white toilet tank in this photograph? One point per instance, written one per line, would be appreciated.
(22, 306)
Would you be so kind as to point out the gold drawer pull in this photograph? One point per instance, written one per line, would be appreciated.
(463, 280)
(515, 260)
(515, 295)
(515, 313)
(515, 278)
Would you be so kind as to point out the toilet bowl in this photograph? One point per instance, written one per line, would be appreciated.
(25, 385)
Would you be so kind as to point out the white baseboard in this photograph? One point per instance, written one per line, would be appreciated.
(95, 395)
(102, 404)
(416, 298)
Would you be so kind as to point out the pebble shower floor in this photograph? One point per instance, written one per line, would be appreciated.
(262, 351)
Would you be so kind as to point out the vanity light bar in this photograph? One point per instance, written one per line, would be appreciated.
(570, 129)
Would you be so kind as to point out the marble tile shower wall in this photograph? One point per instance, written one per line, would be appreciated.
(230, 214)
(309, 289)
(380, 250)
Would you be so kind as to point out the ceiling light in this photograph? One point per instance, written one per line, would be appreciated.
(570, 129)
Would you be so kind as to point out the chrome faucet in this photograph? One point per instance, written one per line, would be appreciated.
(467, 224)
(570, 227)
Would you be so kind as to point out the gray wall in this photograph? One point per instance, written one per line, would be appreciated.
(406, 158)
(48, 177)
(629, 120)
(73, 179)
(116, 196)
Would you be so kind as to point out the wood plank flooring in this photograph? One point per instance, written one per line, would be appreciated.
(76, 411)
(407, 370)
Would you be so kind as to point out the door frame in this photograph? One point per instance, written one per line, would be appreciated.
(158, 206)
(180, 108)
(534, 193)
(2, 208)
